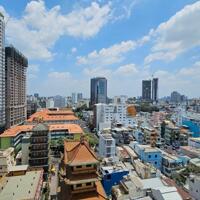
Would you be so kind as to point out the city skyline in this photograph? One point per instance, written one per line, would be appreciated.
(103, 38)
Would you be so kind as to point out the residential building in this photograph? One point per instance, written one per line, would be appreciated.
(146, 90)
(50, 103)
(112, 175)
(191, 152)
(144, 170)
(122, 154)
(139, 136)
(170, 164)
(36, 95)
(31, 107)
(16, 66)
(2, 74)
(172, 134)
(79, 178)
(151, 136)
(24, 186)
(79, 97)
(131, 153)
(106, 145)
(194, 142)
(74, 99)
(121, 134)
(148, 154)
(192, 121)
(36, 148)
(155, 89)
(175, 97)
(69, 101)
(194, 186)
(106, 114)
(132, 187)
(6, 160)
(98, 90)
(59, 101)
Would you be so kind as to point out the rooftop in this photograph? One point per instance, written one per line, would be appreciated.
(53, 115)
(195, 161)
(18, 168)
(71, 128)
(78, 153)
(119, 167)
(20, 187)
(6, 152)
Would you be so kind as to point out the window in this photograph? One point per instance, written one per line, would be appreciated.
(79, 185)
(149, 156)
(155, 163)
(108, 177)
(156, 156)
(79, 166)
(88, 165)
(88, 184)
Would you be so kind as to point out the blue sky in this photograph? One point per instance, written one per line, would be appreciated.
(68, 42)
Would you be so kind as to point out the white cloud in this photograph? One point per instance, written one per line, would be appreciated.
(97, 71)
(32, 71)
(36, 32)
(179, 34)
(59, 75)
(127, 70)
(107, 56)
(123, 11)
(74, 50)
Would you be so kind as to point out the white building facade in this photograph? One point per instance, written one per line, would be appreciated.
(106, 114)
(107, 146)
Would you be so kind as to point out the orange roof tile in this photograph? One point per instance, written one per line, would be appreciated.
(13, 131)
(99, 194)
(72, 128)
(77, 153)
(47, 115)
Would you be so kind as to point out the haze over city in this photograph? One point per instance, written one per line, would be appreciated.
(69, 42)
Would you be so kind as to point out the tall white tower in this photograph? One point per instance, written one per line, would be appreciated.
(2, 71)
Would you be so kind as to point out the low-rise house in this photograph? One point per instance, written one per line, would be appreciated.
(132, 187)
(6, 160)
(139, 136)
(112, 175)
(131, 153)
(144, 170)
(194, 186)
(170, 164)
(148, 154)
(122, 154)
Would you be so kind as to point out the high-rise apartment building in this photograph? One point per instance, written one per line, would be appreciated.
(15, 81)
(155, 89)
(2, 73)
(146, 90)
(98, 90)
(79, 97)
(74, 99)
(59, 101)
